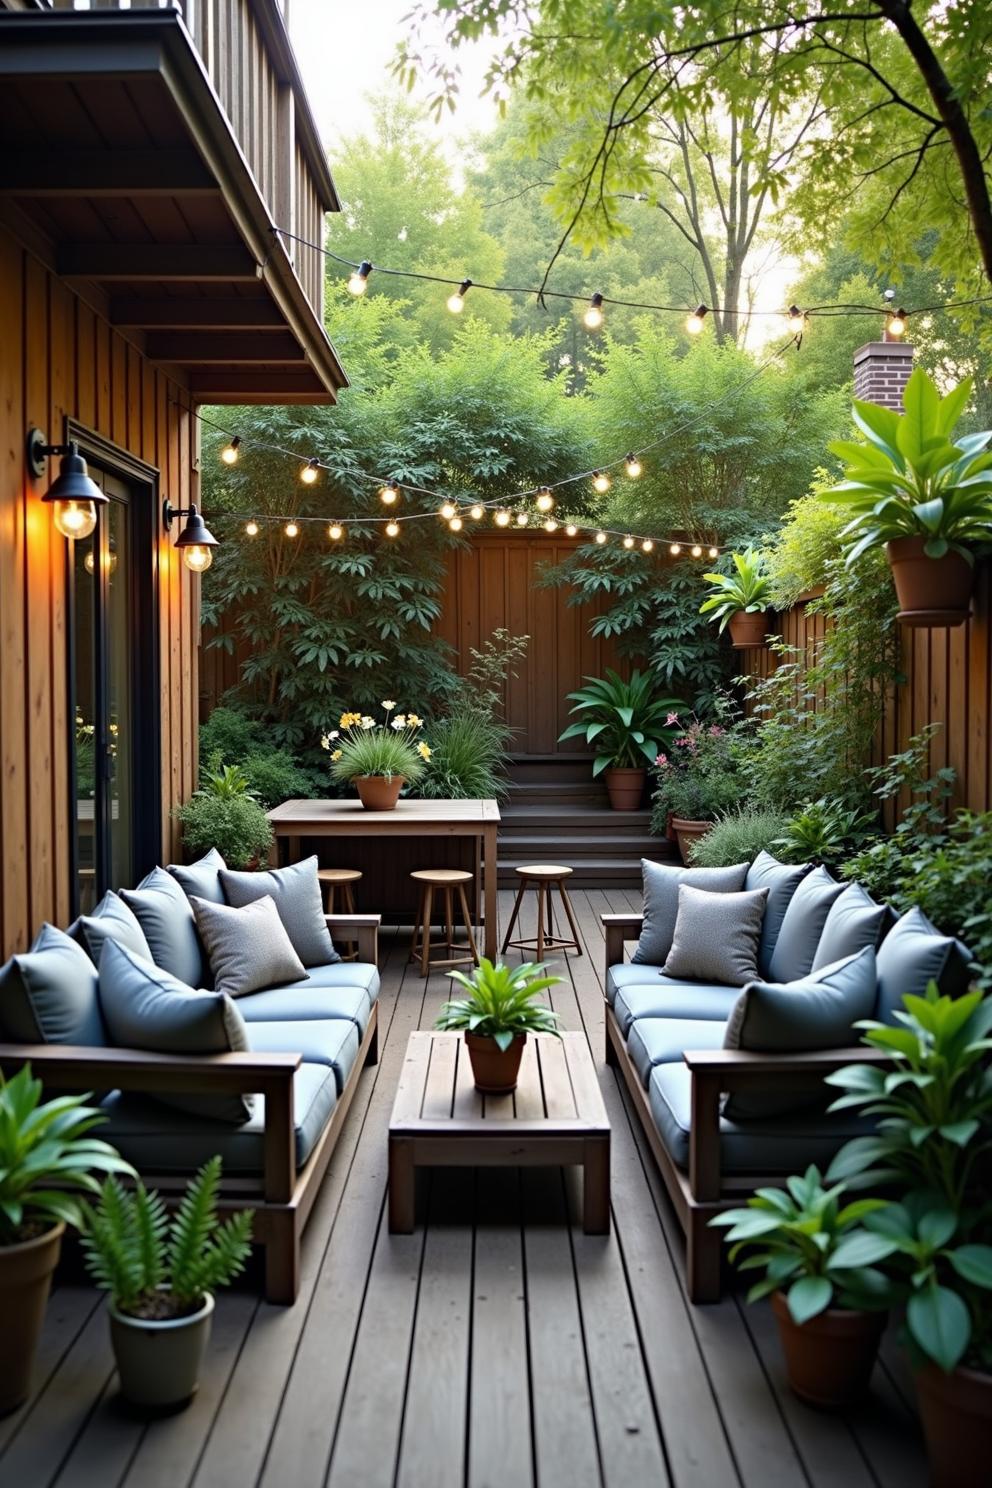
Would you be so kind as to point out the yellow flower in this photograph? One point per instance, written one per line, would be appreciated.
(348, 720)
(388, 704)
(336, 754)
(413, 721)
(424, 750)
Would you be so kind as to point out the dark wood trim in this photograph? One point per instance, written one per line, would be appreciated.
(205, 347)
(166, 171)
(158, 262)
(209, 386)
(203, 313)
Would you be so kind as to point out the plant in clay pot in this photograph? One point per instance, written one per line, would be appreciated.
(740, 599)
(46, 1152)
(627, 724)
(924, 497)
(698, 780)
(378, 759)
(502, 1005)
(828, 1301)
(161, 1274)
(224, 813)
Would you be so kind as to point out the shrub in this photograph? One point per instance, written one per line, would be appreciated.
(230, 734)
(699, 778)
(825, 831)
(275, 776)
(737, 837)
(236, 826)
(468, 759)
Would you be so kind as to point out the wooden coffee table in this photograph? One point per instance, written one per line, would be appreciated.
(556, 1116)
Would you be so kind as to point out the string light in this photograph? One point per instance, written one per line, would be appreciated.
(694, 324)
(628, 541)
(593, 317)
(551, 525)
(456, 301)
(448, 510)
(896, 324)
(633, 466)
(502, 518)
(392, 529)
(310, 472)
(714, 552)
(571, 530)
(389, 495)
(522, 519)
(359, 281)
(252, 529)
(795, 315)
(455, 524)
(675, 549)
(601, 538)
(647, 546)
(292, 530)
(229, 454)
(545, 501)
(601, 481)
(697, 551)
(335, 532)
(477, 512)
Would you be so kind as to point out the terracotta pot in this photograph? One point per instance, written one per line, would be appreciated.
(829, 1360)
(25, 1281)
(748, 630)
(687, 832)
(495, 1070)
(931, 591)
(669, 829)
(159, 1362)
(956, 1409)
(626, 788)
(379, 792)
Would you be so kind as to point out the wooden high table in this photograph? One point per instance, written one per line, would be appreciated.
(294, 820)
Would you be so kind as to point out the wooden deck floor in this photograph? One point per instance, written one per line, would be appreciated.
(497, 1346)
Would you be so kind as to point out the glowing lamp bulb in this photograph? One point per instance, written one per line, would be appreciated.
(633, 466)
(593, 318)
(310, 472)
(477, 512)
(551, 525)
(448, 510)
(571, 530)
(389, 495)
(392, 529)
(896, 324)
(697, 551)
(628, 542)
(647, 546)
(601, 538)
(75, 519)
(455, 524)
(694, 324)
(502, 518)
(601, 481)
(292, 530)
(714, 552)
(545, 500)
(89, 562)
(251, 528)
(197, 559)
(229, 454)
(521, 519)
(675, 549)
(456, 301)
(335, 532)
(359, 281)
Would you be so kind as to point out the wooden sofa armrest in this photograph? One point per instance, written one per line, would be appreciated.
(361, 928)
(75, 1067)
(617, 928)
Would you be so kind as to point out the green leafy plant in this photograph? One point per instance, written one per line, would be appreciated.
(737, 837)
(47, 1155)
(911, 480)
(468, 758)
(824, 831)
(236, 826)
(502, 1002)
(809, 1246)
(746, 591)
(274, 776)
(158, 1267)
(226, 782)
(230, 734)
(625, 721)
(369, 748)
(700, 776)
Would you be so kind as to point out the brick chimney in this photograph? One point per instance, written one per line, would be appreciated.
(881, 371)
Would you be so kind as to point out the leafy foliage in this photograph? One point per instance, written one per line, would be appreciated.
(745, 591)
(700, 778)
(502, 1002)
(738, 837)
(824, 831)
(468, 755)
(274, 776)
(625, 720)
(236, 826)
(230, 735)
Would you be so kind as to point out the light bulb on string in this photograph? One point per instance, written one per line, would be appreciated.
(310, 472)
(359, 281)
(633, 466)
(456, 301)
(522, 519)
(601, 481)
(448, 510)
(291, 529)
(251, 528)
(502, 518)
(714, 552)
(389, 494)
(601, 538)
(335, 532)
(647, 546)
(796, 316)
(593, 318)
(455, 524)
(628, 542)
(477, 512)
(571, 530)
(551, 525)
(229, 454)
(697, 551)
(675, 549)
(545, 501)
(392, 529)
(694, 324)
(896, 323)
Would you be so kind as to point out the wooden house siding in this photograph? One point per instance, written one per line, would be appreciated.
(58, 360)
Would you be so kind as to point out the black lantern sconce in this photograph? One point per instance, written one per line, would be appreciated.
(195, 541)
(74, 496)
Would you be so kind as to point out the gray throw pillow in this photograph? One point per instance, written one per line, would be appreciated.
(201, 878)
(853, 921)
(802, 926)
(781, 880)
(296, 893)
(146, 1008)
(48, 995)
(112, 920)
(661, 902)
(818, 1011)
(716, 936)
(248, 948)
(912, 954)
(166, 917)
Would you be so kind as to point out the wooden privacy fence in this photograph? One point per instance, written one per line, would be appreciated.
(948, 681)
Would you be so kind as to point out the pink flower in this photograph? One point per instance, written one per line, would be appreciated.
(662, 761)
(681, 743)
(672, 718)
(715, 730)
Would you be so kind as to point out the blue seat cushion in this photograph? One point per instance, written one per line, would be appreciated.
(157, 1139)
(345, 990)
(329, 1041)
(664, 998)
(626, 974)
(664, 1040)
(770, 1146)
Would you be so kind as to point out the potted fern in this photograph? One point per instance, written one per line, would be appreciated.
(627, 724)
(378, 759)
(503, 1005)
(740, 599)
(161, 1273)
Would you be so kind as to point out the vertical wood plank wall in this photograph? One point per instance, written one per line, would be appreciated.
(59, 358)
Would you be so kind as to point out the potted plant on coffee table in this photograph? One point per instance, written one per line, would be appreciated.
(740, 599)
(627, 724)
(816, 1257)
(378, 759)
(161, 1273)
(46, 1152)
(923, 496)
(502, 1005)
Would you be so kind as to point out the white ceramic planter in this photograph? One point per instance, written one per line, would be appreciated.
(159, 1363)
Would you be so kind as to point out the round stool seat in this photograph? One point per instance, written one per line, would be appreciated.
(339, 875)
(543, 870)
(440, 878)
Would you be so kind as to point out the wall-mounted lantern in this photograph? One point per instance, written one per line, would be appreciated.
(195, 541)
(74, 496)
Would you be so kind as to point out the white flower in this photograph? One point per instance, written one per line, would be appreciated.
(388, 704)
(398, 723)
(367, 723)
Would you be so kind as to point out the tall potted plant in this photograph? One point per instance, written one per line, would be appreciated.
(378, 759)
(161, 1274)
(501, 1007)
(627, 724)
(46, 1153)
(923, 496)
(740, 599)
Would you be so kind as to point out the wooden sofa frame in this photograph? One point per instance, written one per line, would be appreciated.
(702, 1191)
(283, 1198)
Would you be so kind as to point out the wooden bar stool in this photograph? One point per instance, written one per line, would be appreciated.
(547, 876)
(447, 881)
(332, 879)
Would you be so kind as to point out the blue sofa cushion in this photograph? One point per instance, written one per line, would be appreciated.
(165, 915)
(296, 894)
(201, 878)
(913, 954)
(664, 1040)
(112, 920)
(661, 902)
(666, 998)
(48, 995)
(781, 880)
(330, 1041)
(817, 1012)
(853, 921)
(345, 990)
(626, 974)
(802, 926)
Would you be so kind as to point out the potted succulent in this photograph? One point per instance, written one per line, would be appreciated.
(698, 780)
(932, 1146)
(627, 724)
(501, 1007)
(224, 813)
(817, 1258)
(925, 497)
(378, 759)
(46, 1152)
(740, 599)
(161, 1274)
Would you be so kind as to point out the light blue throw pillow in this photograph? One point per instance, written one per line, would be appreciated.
(48, 995)
(112, 920)
(201, 878)
(914, 953)
(296, 893)
(166, 917)
(802, 926)
(781, 880)
(661, 902)
(853, 921)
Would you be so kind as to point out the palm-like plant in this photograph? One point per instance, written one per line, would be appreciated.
(625, 721)
(502, 1002)
(46, 1153)
(746, 591)
(911, 479)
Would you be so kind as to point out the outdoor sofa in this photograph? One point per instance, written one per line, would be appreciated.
(273, 1109)
(726, 1110)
